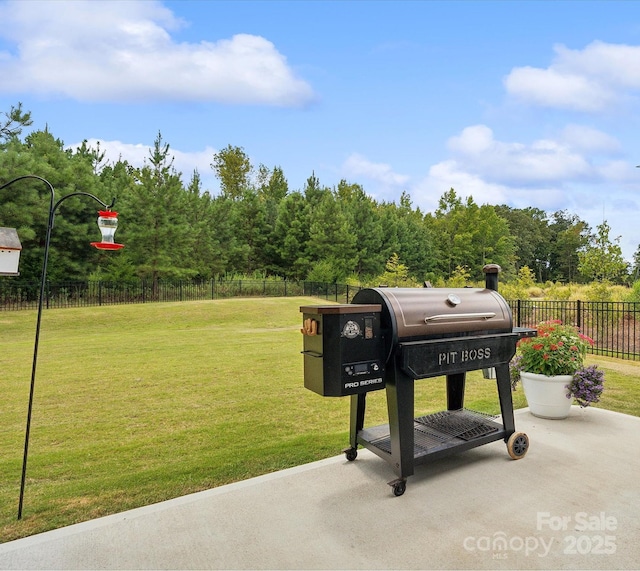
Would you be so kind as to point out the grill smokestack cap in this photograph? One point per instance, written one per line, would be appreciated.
(491, 272)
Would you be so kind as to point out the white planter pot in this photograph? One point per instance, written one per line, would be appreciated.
(547, 396)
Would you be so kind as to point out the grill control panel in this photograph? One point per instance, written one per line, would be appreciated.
(366, 375)
(356, 369)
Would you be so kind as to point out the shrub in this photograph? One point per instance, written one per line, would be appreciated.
(460, 277)
(599, 291)
(556, 291)
(634, 293)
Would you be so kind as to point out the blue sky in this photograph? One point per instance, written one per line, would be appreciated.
(511, 102)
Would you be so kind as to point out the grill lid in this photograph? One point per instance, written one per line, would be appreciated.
(411, 314)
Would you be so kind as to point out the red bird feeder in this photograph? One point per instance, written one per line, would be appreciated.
(107, 222)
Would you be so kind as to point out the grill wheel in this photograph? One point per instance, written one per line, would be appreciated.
(351, 454)
(518, 445)
(399, 488)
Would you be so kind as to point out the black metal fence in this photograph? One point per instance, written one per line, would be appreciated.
(614, 326)
(16, 296)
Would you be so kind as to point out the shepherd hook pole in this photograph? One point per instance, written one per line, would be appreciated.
(53, 206)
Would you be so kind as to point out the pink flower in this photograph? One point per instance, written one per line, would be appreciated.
(585, 338)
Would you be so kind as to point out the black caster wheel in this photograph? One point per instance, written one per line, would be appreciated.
(399, 487)
(517, 445)
(351, 454)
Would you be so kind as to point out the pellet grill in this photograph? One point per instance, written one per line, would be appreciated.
(389, 337)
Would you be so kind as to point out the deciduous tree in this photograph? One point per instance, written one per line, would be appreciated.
(233, 168)
(602, 259)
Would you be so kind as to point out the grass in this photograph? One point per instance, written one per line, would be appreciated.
(136, 404)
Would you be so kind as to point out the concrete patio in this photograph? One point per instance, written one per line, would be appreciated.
(572, 503)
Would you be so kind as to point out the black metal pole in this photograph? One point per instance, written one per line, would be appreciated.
(53, 206)
(43, 278)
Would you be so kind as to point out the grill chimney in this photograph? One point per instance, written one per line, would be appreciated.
(491, 272)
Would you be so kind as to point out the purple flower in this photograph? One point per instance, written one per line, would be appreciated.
(587, 385)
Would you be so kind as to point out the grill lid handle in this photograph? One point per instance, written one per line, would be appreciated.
(459, 317)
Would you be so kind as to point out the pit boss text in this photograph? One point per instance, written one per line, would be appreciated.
(464, 356)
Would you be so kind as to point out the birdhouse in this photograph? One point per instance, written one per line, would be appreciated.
(10, 249)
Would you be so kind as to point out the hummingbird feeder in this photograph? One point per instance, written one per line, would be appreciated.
(107, 222)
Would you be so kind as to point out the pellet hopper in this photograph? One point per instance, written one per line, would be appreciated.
(388, 338)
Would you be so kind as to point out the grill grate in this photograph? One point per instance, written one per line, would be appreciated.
(383, 444)
(435, 430)
(464, 424)
(424, 439)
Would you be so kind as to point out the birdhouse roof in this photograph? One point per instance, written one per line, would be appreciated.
(9, 239)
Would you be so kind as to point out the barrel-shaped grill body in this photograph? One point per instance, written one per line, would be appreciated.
(421, 314)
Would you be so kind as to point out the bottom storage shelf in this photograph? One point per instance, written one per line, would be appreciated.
(438, 433)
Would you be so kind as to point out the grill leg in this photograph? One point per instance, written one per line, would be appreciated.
(358, 406)
(503, 380)
(455, 391)
(400, 394)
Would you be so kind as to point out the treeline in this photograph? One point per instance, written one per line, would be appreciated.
(257, 224)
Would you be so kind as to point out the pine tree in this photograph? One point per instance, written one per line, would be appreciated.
(158, 237)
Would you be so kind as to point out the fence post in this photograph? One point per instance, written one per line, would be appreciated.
(100, 293)
(519, 319)
(285, 288)
(578, 314)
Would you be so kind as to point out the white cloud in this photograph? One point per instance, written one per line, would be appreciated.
(588, 80)
(94, 50)
(450, 174)
(546, 173)
(617, 63)
(618, 172)
(473, 140)
(543, 160)
(137, 155)
(357, 165)
(588, 139)
(551, 88)
(186, 163)
(588, 202)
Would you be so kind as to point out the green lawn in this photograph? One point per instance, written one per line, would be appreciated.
(136, 404)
